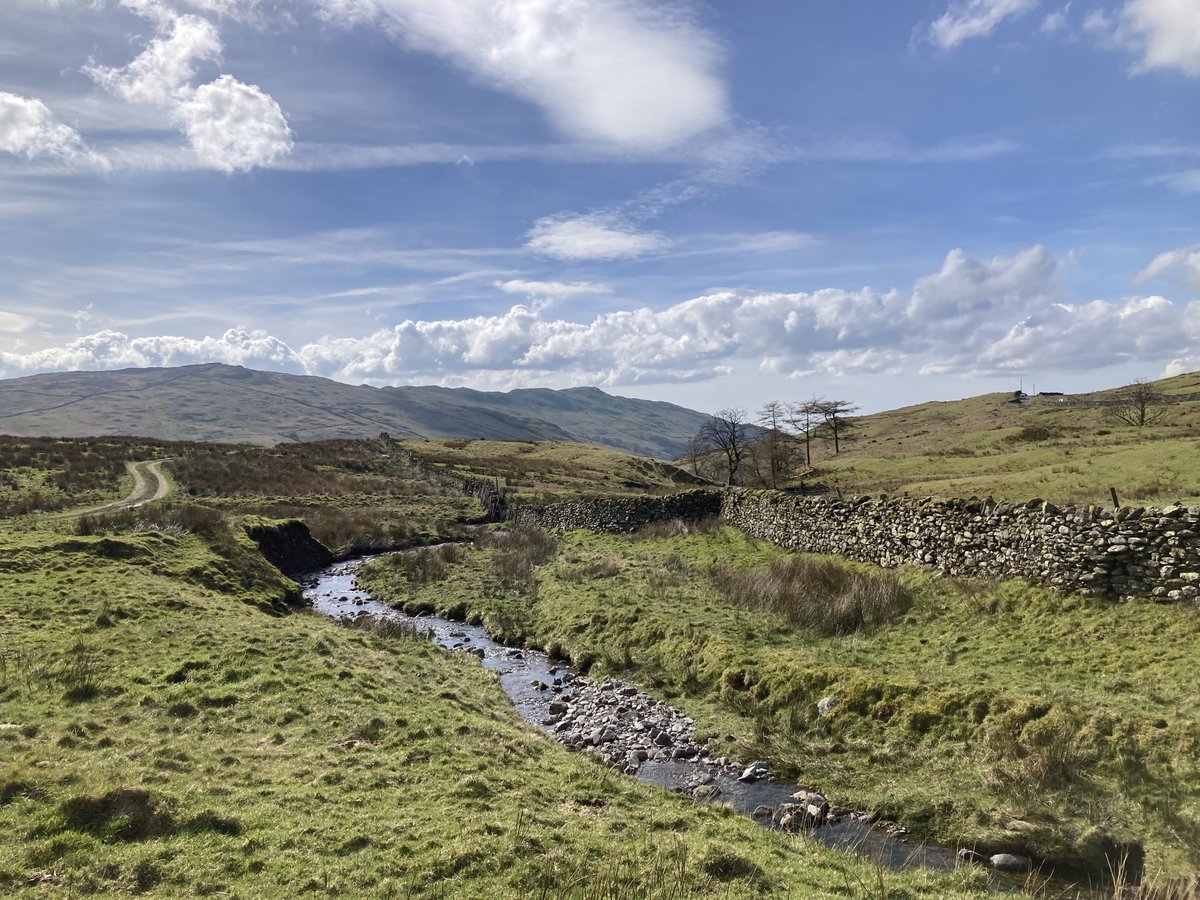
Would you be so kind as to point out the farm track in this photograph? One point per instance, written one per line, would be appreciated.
(149, 484)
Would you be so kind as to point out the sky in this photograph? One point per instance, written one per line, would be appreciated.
(715, 204)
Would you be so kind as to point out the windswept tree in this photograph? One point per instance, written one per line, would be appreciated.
(1138, 404)
(726, 431)
(836, 415)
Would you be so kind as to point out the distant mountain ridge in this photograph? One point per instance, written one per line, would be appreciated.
(217, 402)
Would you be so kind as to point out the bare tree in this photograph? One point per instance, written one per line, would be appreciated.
(836, 415)
(726, 431)
(695, 453)
(804, 417)
(773, 449)
(1138, 404)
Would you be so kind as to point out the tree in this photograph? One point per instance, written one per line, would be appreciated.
(1138, 404)
(836, 414)
(804, 417)
(695, 452)
(726, 431)
(773, 450)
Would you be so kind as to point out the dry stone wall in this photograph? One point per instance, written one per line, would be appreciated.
(619, 514)
(1131, 551)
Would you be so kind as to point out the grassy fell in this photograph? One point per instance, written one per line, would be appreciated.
(169, 726)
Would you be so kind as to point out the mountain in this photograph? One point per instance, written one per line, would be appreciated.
(216, 402)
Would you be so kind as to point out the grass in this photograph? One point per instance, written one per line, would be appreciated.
(550, 470)
(985, 446)
(172, 725)
(816, 595)
(994, 714)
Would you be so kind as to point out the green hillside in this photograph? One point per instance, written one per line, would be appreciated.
(229, 403)
(1066, 449)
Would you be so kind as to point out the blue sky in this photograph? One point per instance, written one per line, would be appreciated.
(715, 204)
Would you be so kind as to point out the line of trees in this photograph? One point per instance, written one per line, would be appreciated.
(774, 448)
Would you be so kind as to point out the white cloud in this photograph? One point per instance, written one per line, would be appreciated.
(14, 323)
(1183, 264)
(115, 350)
(635, 75)
(1166, 33)
(28, 129)
(968, 291)
(230, 126)
(234, 126)
(1185, 182)
(597, 236)
(162, 74)
(967, 19)
(563, 289)
(1000, 315)
(1087, 336)
(1055, 22)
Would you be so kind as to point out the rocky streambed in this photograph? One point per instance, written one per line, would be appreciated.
(647, 738)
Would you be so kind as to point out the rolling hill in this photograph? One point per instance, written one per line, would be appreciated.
(216, 402)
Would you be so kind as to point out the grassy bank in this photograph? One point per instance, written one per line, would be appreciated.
(170, 726)
(991, 714)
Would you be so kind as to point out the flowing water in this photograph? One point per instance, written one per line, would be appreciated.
(334, 592)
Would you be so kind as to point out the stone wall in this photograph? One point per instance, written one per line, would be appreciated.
(619, 514)
(1130, 551)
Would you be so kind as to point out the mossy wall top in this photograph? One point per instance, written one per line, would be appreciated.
(1115, 553)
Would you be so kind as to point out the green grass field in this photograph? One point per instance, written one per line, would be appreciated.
(986, 446)
(171, 726)
(994, 713)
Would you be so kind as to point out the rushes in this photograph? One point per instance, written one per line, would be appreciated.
(517, 552)
(816, 595)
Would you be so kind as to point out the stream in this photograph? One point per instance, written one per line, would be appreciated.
(664, 753)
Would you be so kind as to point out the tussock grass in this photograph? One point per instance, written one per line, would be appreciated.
(816, 595)
(517, 552)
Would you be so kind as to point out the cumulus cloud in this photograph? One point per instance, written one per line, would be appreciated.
(1004, 314)
(595, 236)
(230, 126)
(630, 74)
(967, 291)
(1086, 336)
(967, 19)
(1166, 33)
(234, 126)
(1182, 264)
(29, 129)
(115, 350)
(162, 74)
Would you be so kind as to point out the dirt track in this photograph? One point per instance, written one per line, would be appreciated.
(149, 484)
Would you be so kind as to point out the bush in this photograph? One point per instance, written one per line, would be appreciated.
(816, 595)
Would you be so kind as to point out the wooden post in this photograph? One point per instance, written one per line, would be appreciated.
(1116, 502)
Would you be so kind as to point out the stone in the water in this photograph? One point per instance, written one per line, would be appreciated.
(970, 856)
(1010, 862)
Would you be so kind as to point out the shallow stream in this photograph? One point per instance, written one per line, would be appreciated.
(334, 592)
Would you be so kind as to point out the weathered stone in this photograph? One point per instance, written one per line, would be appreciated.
(1010, 862)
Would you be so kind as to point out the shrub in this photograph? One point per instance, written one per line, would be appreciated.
(816, 595)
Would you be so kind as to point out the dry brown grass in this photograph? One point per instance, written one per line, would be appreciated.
(816, 595)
